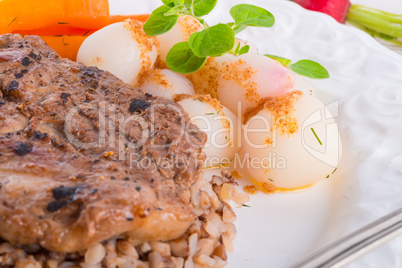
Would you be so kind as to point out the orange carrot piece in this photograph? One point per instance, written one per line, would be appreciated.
(119, 18)
(66, 46)
(66, 40)
(60, 29)
(57, 30)
(33, 14)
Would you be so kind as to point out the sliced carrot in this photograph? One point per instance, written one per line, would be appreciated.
(66, 40)
(61, 29)
(34, 14)
(57, 30)
(119, 18)
(66, 46)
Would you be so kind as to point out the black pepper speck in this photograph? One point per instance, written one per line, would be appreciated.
(12, 86)
(64, 95)
(40, 135)
(66, 192)
(56, 205)
(26, 61)
(138, 105)
(23, 149)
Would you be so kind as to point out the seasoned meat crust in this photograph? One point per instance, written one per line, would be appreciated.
(84, 157)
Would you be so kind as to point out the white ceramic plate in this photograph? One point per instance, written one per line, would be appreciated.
(365, 89)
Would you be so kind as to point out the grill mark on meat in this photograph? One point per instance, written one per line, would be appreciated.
(52, 164)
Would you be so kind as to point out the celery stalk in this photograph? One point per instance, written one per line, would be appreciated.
(377, 23)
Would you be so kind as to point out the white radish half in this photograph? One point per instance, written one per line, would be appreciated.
(249, 78)
(220, 125)
(121, 48)
(302, 84)
(205, 80)
(291, 143)
(166, 83)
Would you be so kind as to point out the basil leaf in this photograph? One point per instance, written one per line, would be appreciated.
(178, 2)
(158, 23)
(283, 61)
(181, 59)
(249, 15)
(244, 50)
(203, 7)
(310, 69)
(213, 41)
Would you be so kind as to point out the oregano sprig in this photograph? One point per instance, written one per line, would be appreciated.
(212, 41)
(216, 40)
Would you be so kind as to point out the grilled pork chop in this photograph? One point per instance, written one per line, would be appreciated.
(84, 157)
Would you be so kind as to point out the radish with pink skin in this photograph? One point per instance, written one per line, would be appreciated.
(377, 23)
(250, 77)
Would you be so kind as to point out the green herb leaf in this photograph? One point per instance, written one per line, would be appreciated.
(237, 50)
(178, 2)
(203, 7)
(247, 206)
(168, 2)
(283, 61)
(213, 41)
(244, 50)
(250, 15)
(310, 69)
(175, 10)
(158, 23)
(181, 59)
(236, 28)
